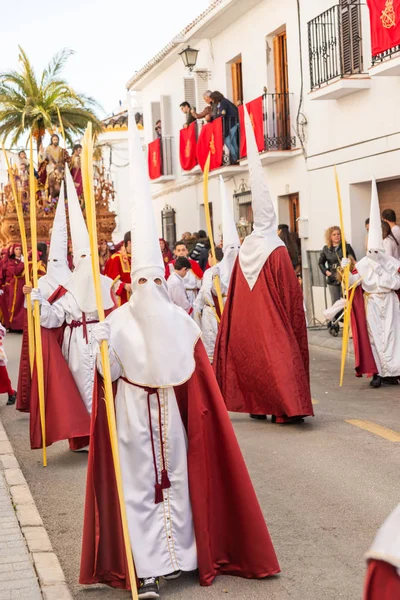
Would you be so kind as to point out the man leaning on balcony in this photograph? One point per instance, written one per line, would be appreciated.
(209, 113)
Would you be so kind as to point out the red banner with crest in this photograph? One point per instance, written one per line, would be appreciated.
(385, 24)
(187, 147)
(256, 113)
(154, 159)
(211, 139)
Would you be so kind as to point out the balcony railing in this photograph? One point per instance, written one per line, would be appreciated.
(386, 55)
(167, 164)
(277, 122)
(335, 44)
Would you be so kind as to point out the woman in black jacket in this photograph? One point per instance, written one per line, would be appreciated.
(330, 258)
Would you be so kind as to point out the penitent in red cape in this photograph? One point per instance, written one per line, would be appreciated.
(231, 535)
(382, 582)
(364, 358)
(261, 355)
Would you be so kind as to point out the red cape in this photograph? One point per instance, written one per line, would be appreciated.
(5, 383)
(364, 358)
(382, 583)
(261, 354)
(231, 535)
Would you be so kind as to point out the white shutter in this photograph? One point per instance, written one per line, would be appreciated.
(166, 116)
(202, 83)
(155, 116)
(190, 90)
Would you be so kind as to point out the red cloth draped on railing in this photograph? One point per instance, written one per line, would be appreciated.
(154, 159)
(211, 140)
(385, 24)
(187, 147)
(256, 113)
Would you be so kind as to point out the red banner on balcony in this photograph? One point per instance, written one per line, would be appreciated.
(385, 24)
(154, 159)
(211, 140)
(187, 147)
(255, 108)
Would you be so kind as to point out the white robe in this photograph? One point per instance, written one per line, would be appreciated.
(382, 309)
(81, 356)
(205, 315)
(162, 535)
(177, 292)
(192, 284)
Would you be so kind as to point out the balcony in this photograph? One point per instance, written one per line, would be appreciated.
(335, 53)
(386, 64)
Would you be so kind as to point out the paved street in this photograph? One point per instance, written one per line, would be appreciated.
(325, 487)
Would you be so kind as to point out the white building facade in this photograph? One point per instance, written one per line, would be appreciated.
(325, 104)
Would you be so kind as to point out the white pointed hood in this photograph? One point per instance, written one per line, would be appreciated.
(81, 284)
(386, 546)
(231, 242)
(375, 238)
(153, 338)
(264, 239)
(58, 271)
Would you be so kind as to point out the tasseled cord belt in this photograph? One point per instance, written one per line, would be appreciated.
(165, 482)
(76, 324)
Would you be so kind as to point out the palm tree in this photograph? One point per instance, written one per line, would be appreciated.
(31, 104)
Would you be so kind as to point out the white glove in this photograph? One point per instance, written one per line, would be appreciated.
(344, 262)
(102, 332)
(36, 295)
(2, 332)
(1, 292)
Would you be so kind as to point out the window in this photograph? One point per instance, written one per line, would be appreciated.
(155, 116)
(351, 36)
(280, 100)
(237, 81)
(189, 84)
(201, 79)
(168, 225)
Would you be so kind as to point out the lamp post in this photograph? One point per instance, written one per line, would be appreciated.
(189, 57)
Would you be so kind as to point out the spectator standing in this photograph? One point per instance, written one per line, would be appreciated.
(207, 113)
(225, 108)
(186, 109)
(330, 259)
(176, 286)
(200, 251)
(157, 128)
(390, 243)
(104, 255)
(389, 216)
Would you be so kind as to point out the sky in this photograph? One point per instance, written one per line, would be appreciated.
(111, 40)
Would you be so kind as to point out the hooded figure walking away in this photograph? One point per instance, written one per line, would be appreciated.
(206, 306)
(74, 303)
(376, 307)
(261, 356)
(189, 499)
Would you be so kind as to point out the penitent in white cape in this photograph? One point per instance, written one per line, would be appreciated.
(153, 338)
(264, 239)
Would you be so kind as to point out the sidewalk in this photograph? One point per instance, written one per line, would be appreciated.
(29, 569)
(323, 339)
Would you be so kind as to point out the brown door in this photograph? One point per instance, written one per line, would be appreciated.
(280, 100)
(237, 82)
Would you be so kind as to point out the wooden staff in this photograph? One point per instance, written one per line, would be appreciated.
(36, 308)
(210, 231)
(87, 173)
(21, 223)
(345, 283)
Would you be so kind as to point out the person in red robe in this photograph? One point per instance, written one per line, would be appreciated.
(118, 268)
(383, 572)
(76, 169)
(5, 382)
(189, 499)
(166, 254)
(14, 282)
(261, 356)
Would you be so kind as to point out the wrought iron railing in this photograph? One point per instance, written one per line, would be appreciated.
(278, 131)
(167, 163)
(335, 44)
(231, 133)
(386, 55)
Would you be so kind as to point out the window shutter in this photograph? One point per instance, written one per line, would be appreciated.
(166, 116)
(350, 23)
(190, 90)
(155, 116)
(202, 85)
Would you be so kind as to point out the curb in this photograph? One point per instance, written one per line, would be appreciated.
(324, 340)
(48, 569)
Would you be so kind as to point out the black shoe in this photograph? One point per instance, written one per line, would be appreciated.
(149, 588)
(258, 417)
(390, 380)
(172, 576)
(12, 399)
(376, 381)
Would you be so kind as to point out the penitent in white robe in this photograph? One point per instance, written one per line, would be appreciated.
(382, 309)
(81, 356)
(162, 535)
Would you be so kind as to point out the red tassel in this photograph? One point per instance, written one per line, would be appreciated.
(165, 482)
(159, 494)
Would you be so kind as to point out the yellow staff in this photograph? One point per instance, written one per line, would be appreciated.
(210, 231)
(36, 309)
(345, 284)
(87, 173)
(21, 223)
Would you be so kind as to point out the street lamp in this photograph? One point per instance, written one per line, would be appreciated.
(189, 57)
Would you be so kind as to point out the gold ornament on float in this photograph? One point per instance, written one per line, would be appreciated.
(388, 16)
